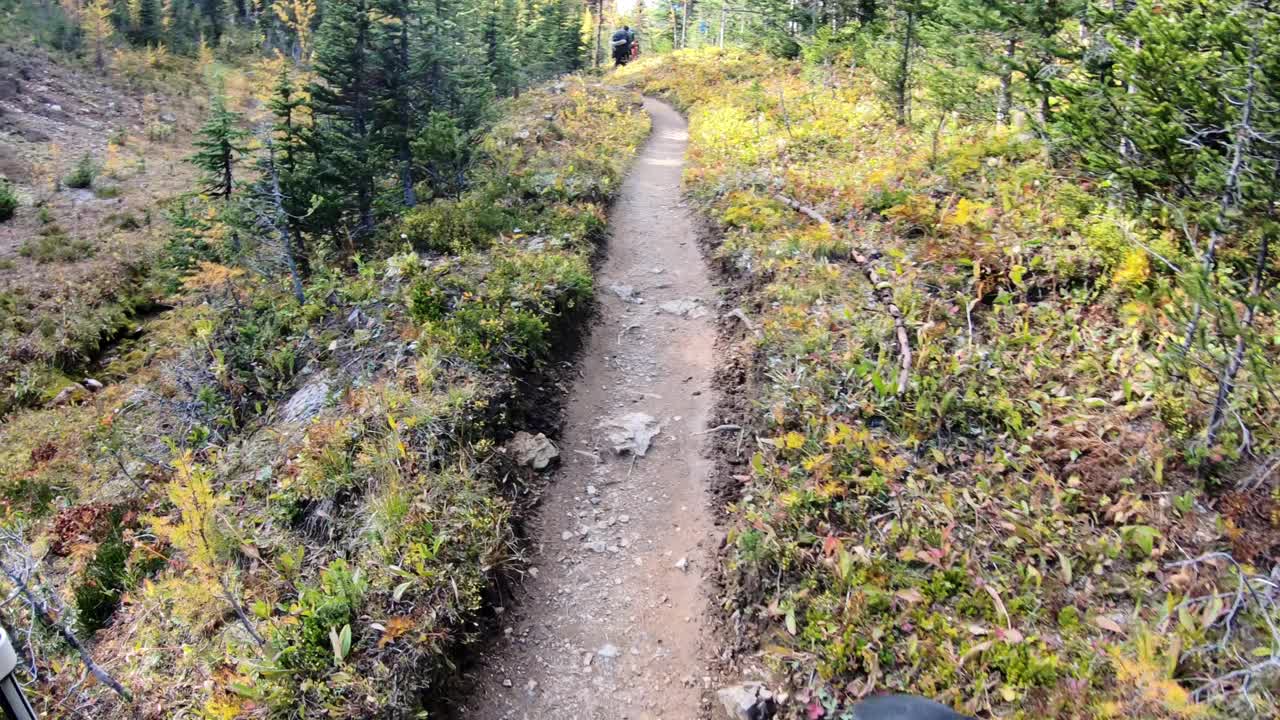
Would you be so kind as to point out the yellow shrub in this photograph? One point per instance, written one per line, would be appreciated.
(751, 211)
(1133, 271)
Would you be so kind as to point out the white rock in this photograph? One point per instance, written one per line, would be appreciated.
(745, 701)
(534, 451)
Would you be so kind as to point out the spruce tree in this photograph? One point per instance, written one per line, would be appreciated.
(501, 44)
(289, 142)
(287, 106)
(149, 28)
(219, 148)
(397, 112)
(343, 102)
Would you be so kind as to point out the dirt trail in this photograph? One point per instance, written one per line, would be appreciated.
(611, 626)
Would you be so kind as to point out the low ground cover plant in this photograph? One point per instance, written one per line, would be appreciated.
(289, 508)
(977, 475)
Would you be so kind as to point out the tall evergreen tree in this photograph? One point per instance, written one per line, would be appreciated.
(397, 116)
(501, 43)
(150, 17)
(343, 101)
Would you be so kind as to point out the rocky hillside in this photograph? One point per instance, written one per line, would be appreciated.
(93, 160)
(302, 505)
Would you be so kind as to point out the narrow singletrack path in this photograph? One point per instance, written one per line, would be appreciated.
(611, 626)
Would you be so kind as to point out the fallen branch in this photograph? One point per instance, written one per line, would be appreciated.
(1243, 676)
(737, 313)
(719, 428)
(883, 293)
(19, 567)
(1260, 476)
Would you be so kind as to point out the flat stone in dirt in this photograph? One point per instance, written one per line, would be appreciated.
(684, 307)
(308, 400)
(744, 701)
(632, 433)
(533, 451)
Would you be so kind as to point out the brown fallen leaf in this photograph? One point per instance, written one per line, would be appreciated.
(1107, 623)
(910, 596)
(396, 627)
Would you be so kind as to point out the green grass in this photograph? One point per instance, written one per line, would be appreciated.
(53, 245)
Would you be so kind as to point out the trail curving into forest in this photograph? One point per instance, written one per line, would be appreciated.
(611, 625)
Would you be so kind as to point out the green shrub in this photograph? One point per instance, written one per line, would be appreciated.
(8, 200)
(83, 174)
(507, 316)
(52, 244)
(104, 579)
(446, 226)
(330, 607)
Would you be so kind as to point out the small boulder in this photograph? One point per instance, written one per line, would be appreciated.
(744, 701)
(534, 451)
(70, 395)
(631, 432)
(92, 385)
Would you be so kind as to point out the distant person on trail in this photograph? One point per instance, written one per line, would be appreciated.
(635, 45)
(622, 46)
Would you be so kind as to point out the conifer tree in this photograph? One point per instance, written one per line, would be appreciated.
(149, 28)
(397, 116)
(343, 103)
(219, 148)
(287, 105)
(501, 44)
(1179, 115)
(95, 21)
(289, 142)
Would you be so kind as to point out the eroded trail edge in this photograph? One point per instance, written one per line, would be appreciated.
(611, 622)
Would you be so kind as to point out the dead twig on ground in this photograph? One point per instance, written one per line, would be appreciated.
(1240, 679)
(719, 428)
(20, 567)
(737, 313)
(882, 291)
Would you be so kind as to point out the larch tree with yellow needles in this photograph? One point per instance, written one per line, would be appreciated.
(95, 22)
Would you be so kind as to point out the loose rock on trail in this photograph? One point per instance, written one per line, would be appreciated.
(611, 623)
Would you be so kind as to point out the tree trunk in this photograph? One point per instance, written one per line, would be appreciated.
(599, 31)
(1004, 103)
(406, 120)
(360, 123)
(902, 88)
(720, 40)
(1230, 197)
(1227, 382)
(290, 256)
(684, 25)
(227, 595)
(675, 30)
(228, 183)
